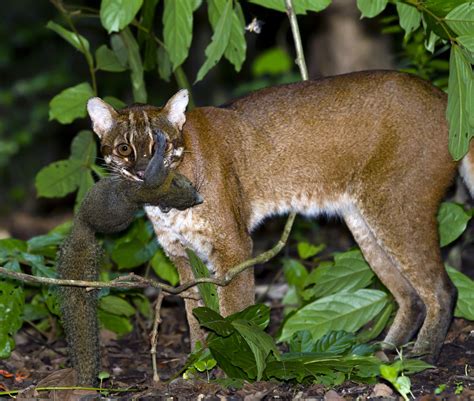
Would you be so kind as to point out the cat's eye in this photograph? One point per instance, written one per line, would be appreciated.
(124, 149)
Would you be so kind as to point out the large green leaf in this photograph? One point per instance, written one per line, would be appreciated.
(452, 221)
(460, 78)
(410, 17)
(178, 29)
(208, 291)
(350, 272)
(70, 103)
(467, 41)
(219, 40)
(258, 341)
(59, 178)
(117, 14)
(163, 267)
(347, 311)
(164, 64)
(300, 6)
(465, 301)
(461, 19)
(12, 300)
(136, 66)
(371, 8)
(107, 60)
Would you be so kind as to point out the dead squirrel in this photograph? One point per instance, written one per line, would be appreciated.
(109, 207)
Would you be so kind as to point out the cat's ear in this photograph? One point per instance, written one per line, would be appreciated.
(102, 114)
(176, 107)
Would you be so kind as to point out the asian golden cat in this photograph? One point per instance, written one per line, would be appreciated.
(371, 147)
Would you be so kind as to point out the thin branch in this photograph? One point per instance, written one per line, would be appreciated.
(134, 281)
(154, 336)
(300, 61)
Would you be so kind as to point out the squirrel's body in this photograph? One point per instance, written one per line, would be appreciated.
(109, 207)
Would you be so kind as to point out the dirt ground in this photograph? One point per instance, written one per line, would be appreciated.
(128, 361)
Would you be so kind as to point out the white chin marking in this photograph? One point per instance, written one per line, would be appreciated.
(128, 174)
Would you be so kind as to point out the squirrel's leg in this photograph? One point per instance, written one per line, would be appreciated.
(79, 259)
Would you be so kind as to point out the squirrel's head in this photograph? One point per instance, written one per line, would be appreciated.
(127, 135)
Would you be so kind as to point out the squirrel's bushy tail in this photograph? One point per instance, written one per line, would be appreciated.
(79, 259)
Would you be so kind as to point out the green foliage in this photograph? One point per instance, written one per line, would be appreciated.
(452, 221)
(66, 176)
(12, 299)
(371, 8)
(207, 291)
(117, 14)
(465, 300)
(70, 104)
(300, 6)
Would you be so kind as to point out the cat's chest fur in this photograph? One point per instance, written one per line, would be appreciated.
(178, 230)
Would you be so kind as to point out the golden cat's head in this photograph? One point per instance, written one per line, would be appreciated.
(127, 135)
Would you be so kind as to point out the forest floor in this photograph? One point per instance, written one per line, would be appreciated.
(36, 362)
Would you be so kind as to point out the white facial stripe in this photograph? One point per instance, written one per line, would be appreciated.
(148, 131)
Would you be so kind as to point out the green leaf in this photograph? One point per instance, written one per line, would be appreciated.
(83, 148)
(233, 355)
(116, 305)
(43, 243)
(461, 19)
(208, 291)
(178, 29)
(119, 48)
(259, 342)
(78, 41)
(213, 321)
(350, 272)
(135, 63)
(146, 21)
(59, 178)
(467, 41)
(295, 272)
(70, 103)
(371, 8)
(452, 221)
(107, 60)
(258, 314)
(346, 311)
(410, 17)
(335, 342)
(237, 46)
(465, 287)
(219, 41)
(114, 102)
(442, 7)
(117, 14)
(307, 250)
(274, 61)
(133, 253)
(12, 301)
(163, 268)
(300, 6)
(460, 76)
(118, 324)
(164, 64)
